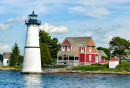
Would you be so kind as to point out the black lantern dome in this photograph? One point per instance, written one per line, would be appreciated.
(33, 19)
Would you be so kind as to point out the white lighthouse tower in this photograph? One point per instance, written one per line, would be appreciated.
(32, 56)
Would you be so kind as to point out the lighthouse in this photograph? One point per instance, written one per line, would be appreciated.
(32, 56)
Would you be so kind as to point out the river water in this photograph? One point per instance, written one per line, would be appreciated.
(13, 79)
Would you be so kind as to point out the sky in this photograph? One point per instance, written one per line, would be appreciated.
(100, 19)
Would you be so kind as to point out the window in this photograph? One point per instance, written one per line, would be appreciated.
(90, 49)
(82, 49)
(63, 48)
(90, 57)
(7, 61)
(68, 48)
(99, 59)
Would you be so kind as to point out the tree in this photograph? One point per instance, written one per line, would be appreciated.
(1, 57)
(51, 43)
(45, 55)
(54, 47)
(105, 50)
(118, 47)
(15, 57)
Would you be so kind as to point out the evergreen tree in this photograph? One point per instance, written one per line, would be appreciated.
(45, 55)
(51, 43)
(15, 58)
(1, 57)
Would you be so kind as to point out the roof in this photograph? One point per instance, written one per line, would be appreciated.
(77, 42)
(6, 55)
(102, 53)
(69, 53)
(113, 59)
(80, 41)
(33, 14)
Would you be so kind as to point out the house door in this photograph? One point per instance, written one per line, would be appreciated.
(96, 59)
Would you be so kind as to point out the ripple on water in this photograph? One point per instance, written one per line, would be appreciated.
(13, 79)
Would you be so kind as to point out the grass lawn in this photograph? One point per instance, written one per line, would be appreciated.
(125, 66)
(16, 67)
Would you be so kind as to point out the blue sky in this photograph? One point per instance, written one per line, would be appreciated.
(101, 19)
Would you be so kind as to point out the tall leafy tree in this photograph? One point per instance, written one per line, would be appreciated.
(118, 47)
(105, 50)
(15, 58)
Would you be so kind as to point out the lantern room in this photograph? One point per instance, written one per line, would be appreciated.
(33, 19)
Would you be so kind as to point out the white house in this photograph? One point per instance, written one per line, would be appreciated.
(113, 62)
(6, 57)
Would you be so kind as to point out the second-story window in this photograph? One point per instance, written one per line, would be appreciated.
(68, 48)
(63, 48)
(82, 49)
(90, 49)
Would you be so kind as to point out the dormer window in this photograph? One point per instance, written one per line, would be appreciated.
(68, 49)
(63, 48)
(90, 49)
(82, 49)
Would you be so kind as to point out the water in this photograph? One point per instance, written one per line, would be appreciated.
(13, 79)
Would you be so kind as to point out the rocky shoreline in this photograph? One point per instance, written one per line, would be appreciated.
(72, 71)
(85, 72)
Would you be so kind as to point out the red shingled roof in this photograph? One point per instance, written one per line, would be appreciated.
(113, 59)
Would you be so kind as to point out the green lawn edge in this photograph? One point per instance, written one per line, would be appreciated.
(15, 67)
(124, 67)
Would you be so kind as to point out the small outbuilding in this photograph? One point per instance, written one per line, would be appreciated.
(113, 62)
(6, 58)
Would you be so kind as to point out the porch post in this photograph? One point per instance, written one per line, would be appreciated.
(74, 58)
(57, 58)
(68, 58)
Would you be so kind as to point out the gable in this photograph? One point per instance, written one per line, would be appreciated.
(65, 42)
(91, 43)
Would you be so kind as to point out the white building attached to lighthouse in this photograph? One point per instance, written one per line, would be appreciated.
(32, 57)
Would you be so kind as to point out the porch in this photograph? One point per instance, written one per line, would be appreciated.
(68, 59)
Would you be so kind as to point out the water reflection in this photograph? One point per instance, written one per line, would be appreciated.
(32, 80)
(13, 79)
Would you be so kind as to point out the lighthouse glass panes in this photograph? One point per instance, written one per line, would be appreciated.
(33, 17)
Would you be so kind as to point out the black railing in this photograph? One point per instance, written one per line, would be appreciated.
(38, 22)
(54, 67)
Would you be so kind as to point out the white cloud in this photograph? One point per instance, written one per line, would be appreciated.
(52, 29)
(17, 19)
(6, 40)
(4, 26)
(84, 34)
(91, 11)
(108, 39)
(4, 47)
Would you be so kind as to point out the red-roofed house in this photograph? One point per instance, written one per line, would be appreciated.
(80, 50)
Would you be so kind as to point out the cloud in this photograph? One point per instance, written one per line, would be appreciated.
(52, 29)
(4, 26)
(84, 33)
(6, 40)
(96, 12)
(107, 39)
(4, 47)
(17, 19)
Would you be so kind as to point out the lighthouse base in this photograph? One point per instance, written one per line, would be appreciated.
(32, 61)
(31, 72)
